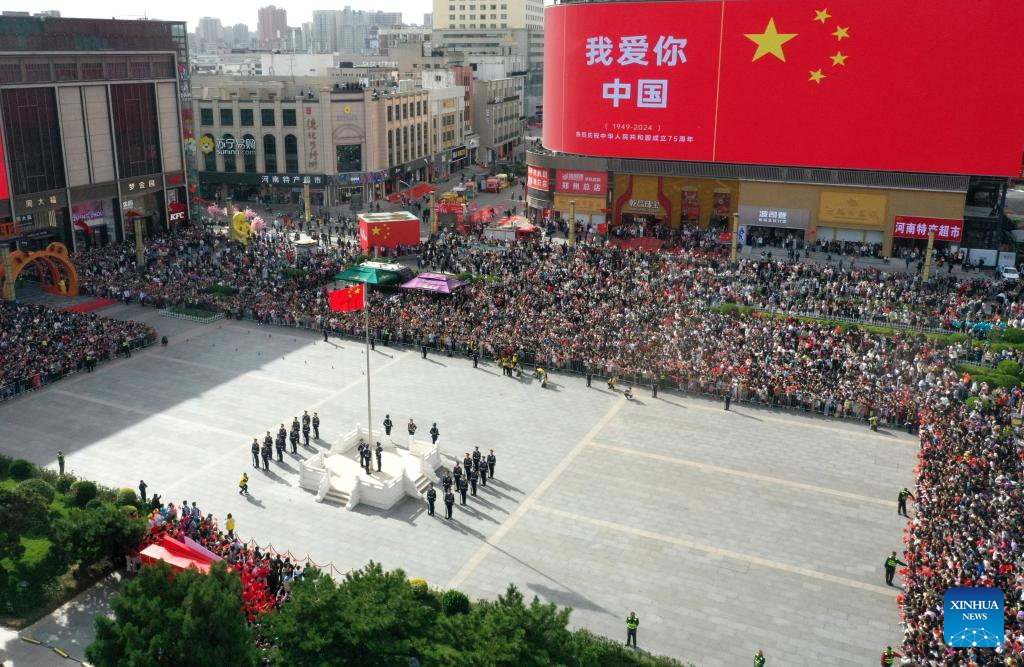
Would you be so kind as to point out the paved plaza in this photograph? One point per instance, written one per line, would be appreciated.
(725, 531)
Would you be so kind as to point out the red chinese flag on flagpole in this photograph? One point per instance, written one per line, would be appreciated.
(347, 299)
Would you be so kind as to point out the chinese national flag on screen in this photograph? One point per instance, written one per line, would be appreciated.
(389, 234)
(866, 83)
(347, 299)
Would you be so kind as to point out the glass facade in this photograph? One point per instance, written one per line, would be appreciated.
(33, 139)
(136, 129)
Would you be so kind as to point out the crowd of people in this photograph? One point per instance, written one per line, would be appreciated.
(266, 577)
(657, 317)
(39, 345)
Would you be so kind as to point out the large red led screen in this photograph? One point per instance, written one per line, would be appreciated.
(915, 85)
(3, 173)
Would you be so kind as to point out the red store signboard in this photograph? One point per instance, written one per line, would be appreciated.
(581, 182)
(915, 227)
(537, 179)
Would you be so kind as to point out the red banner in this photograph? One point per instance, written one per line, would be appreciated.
(914, 227)
(581, 182)
(863, 84)
(537, 178)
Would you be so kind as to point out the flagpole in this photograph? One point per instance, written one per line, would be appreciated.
(369, 412)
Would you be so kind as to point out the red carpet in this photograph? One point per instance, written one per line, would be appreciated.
(90, 306)
(416, 192)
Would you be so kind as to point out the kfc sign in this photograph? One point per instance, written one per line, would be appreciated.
(688, 81)
(913, 227)
(537, 179)
(582, 182)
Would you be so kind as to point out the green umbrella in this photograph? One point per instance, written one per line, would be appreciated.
(371, 276)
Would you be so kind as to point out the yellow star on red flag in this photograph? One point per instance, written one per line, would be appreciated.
(770, 41)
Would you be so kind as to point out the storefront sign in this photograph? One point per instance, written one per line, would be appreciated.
(236, 146)
(585, 182)
(289, 179)
(644, 205)
(41, 202)
(764, 216)
(537, 178)
(312, 140)
(588, 205)
(459, 153)
(140, 185)
(915, 227)
(9, 229)
(853, 208)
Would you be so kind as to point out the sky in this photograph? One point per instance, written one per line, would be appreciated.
(229, 13)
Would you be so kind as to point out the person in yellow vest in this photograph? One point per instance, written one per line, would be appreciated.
(230, 525)
(243, 485)
(889, 657)
(632, 623)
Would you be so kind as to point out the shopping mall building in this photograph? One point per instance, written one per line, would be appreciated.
(95, 121)
(785, 156)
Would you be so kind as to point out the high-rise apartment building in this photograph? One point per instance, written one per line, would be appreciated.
(209, 32)
(273, 25)
(348, 30)
(497, 27)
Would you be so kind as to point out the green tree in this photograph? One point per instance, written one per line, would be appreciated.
(23, 512)
(101, 531)
(371, 618)
(186, 619)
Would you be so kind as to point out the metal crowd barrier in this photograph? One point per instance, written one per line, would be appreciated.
(27, 385)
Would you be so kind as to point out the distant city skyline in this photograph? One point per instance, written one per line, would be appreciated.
(299, 12)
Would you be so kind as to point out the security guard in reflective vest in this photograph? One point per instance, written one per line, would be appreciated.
(890, 567)
(759, 659)
(889, 656)
(901, 501)
(632, 623)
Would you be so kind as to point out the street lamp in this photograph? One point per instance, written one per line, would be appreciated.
(572, 224)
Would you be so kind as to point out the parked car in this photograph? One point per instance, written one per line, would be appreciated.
(1007, 273)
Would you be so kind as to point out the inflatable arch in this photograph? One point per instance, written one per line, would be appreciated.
(48, 264)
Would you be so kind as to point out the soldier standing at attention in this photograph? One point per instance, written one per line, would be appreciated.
(456, 475)
(449, 501)
(267, 451)
(434, 433)
(901, 502)
(316, 426)
(890, 567)
(467, 463)
(463, 486)
(477, 455)
(279, 445)
(491, 461)
(305, 430)
(446, 482)
(387, 425)
(431, 497)
(378, 452)
(473, 476)
(60, 461)
(483, 471)
(632, 623)
(255, 453)
(294, 437)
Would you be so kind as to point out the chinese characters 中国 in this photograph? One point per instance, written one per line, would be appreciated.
(633, 50)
